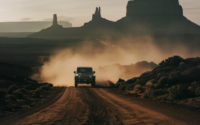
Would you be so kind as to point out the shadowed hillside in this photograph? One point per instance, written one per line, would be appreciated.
(173, 79)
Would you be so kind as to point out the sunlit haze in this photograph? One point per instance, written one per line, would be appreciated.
(76, 12)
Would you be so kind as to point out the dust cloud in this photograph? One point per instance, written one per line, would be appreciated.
(60, 67)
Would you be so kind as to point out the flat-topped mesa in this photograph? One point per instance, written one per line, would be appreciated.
(149, 8)
(97, 14)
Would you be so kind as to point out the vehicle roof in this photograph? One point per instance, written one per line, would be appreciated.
(83, 67)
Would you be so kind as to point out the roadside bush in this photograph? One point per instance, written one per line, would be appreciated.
(18, 94)
(162, 82)
(46, 84)
(149, 92)
(131, 81)
(149, 84)
(36, 93)
(173, 61)
(2, 96)
(174, 78)
(197, 91)
(12, 88)
(178, 92)
(153, 93)
(31, 86)
(120, 82)
(122, 86)
(194, 88)
(45, 88)
(137, 88)
(5, 83)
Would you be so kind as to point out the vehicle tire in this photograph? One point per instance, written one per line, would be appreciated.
(76, 84)
(93, 84)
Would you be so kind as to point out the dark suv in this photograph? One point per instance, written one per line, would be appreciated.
(84, 75)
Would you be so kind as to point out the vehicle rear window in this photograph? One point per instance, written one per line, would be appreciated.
(84, 70)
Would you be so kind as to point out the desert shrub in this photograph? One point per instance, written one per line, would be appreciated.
(2, 95)
(133, 80)
(119, 83)
(31, 86)
(18, 94)
(197, 91)
(10, 102)
(149, 93)
(37, 92)
(152, 92)
(5, 83)
(122, 86)
(162, 82)
(149, 84)
(173, 61)
(163, 98)
(156, 86)
(46, 84)
(129, 86)
(45, 88)
(137, 88)
(177, 92)
(191, 74)
(10, 97)
(194, 88)
(12, 88)
(24, 91)
(174, 78)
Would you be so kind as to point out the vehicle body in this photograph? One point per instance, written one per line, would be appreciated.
(84, 75)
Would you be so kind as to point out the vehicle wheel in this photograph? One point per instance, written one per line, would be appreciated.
(76, 84)
(93, 84)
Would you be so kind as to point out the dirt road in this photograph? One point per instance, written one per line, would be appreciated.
(98, 106)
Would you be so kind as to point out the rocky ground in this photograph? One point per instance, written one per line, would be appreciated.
(20, 93)
(173, 80)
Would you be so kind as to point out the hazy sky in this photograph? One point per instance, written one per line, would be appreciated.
(76, 11)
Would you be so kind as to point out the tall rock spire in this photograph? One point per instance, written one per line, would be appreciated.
(97, 14)
(96, 11)
(55, 21)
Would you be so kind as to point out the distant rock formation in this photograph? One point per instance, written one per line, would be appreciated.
(156, 17)
(152, 8)
(55, 22)
(94, 27)
(97, 20)
(143, 17)
(97, 14)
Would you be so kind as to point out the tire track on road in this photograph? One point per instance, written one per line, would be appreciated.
(134, 114)
(61, 112)
(100, 111)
